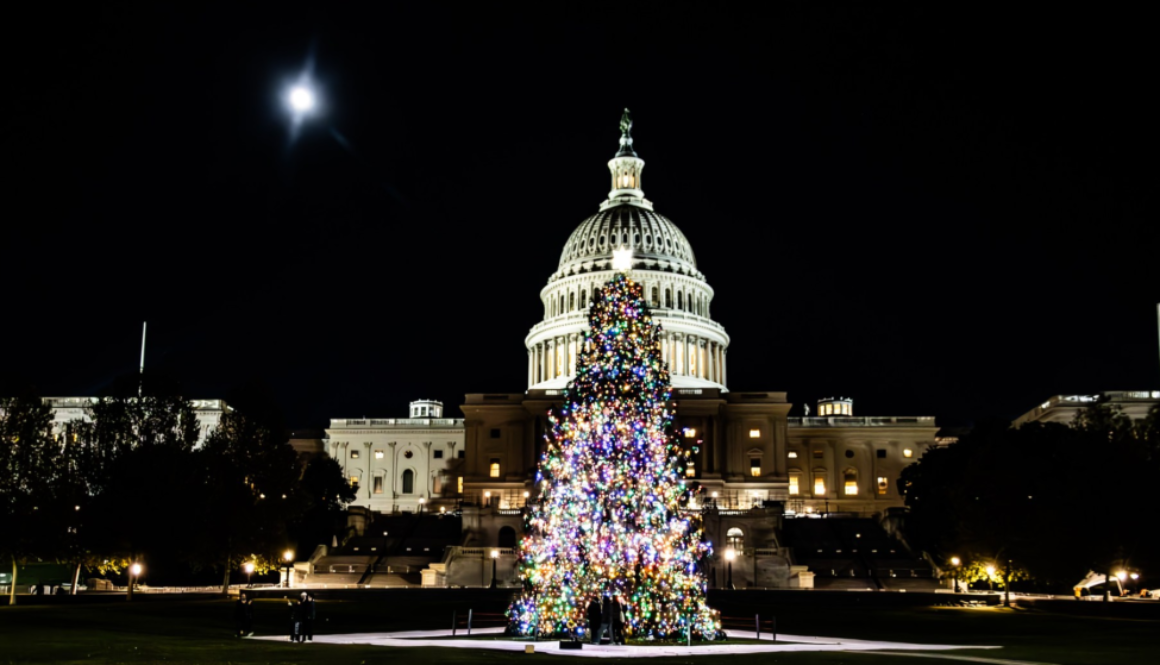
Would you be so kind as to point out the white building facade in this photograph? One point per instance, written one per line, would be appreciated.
(67, 409)
(400, 464)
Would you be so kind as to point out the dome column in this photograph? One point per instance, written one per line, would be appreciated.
(572, 342)
(712, 352)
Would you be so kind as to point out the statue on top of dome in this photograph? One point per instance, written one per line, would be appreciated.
(626, 123)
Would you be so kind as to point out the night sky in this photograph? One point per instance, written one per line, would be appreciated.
(944, 211)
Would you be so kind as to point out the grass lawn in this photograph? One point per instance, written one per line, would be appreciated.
(156, 630)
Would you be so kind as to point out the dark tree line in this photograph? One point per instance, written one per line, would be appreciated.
(1045, 501)
(131, 484)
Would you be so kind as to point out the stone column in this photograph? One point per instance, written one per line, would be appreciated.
(712, 350)
(724, 367)
(572, 353)
(394, 472)
(427, 467)
(370, 481)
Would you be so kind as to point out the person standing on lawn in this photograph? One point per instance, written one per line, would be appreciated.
(307, 618)
(593, 617)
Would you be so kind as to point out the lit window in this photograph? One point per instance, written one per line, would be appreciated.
(378, 484)
(793, 454)
(819, 453)
(354, 481)
(907, 452)
(755, 434)
(819, 485)
(690, 432)
(850, 487)
(825, 410)
(691, 469)
(354, 454)
(378, 454)
(459, 485)
(495, 467)
(794, 484)
(755, 466)
(883, 485)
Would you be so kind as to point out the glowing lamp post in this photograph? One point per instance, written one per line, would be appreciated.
(1135, 582)
(487, 498)
(990, 578)
(249, 570)
(422, 502)
(134, 576)
(494, 559)
(288, 558)
(526, 495)
(730, 555)
(956, 562)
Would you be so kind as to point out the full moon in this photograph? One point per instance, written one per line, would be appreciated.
(301, 99)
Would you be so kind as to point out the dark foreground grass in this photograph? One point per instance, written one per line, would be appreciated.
(198, 631)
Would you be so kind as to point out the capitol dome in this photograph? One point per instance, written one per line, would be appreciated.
(663, 263)
(655, 241)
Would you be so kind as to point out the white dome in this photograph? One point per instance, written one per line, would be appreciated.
(656, 242)
(692, 343)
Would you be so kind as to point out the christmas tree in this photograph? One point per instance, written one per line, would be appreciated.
(610, 517)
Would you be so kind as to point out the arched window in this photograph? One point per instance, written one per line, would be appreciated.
(507, 537)
(656, 296)
(850, 482)
(408, 482)
(669, 298)
(735, 539)
(583, 298)
(571, 301)
(819, 482)
(680, 300)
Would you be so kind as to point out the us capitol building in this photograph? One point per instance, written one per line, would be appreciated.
(752, 459)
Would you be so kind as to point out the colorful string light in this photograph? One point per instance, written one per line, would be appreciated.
(611, 513)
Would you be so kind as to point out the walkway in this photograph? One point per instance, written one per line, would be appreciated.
(443, 638)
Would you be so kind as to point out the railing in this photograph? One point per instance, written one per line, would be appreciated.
(393, 422)
(862, 421)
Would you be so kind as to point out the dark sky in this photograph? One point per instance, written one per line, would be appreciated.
(938, 210)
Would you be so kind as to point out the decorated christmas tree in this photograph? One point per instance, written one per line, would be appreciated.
(610, 518)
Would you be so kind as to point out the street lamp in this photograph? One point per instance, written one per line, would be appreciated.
(487, 498)
(422, 502)
(730, 555)
(526, 495)
(494, 559)
(956, 562)
(249, 568)
(288, 557)
(990, 578)
(134, 576)
(1135, 582)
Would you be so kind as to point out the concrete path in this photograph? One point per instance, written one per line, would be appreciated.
(443, 638)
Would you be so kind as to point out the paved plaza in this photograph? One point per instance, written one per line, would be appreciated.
(443, 638)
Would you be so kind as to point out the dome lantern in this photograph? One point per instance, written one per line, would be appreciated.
(626, 167)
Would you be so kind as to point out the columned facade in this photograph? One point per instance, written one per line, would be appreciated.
(663, 264)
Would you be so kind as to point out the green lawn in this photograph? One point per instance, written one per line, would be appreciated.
(198, 631)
